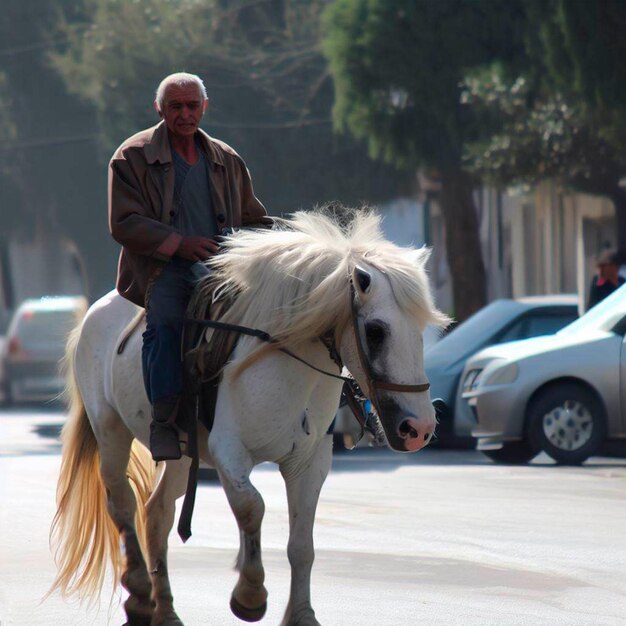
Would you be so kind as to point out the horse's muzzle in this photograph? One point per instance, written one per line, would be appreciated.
(405, 432)
(415, 433)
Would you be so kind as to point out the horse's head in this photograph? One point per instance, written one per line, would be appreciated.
(291, 282)
(384, 351)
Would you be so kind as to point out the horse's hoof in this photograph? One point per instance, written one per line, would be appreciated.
(171, 619)
(246, 614)
(138, 620)
(138, 612)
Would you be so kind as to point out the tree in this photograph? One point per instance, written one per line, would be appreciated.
(562, 117)
(397, 68)
(269, 89)
(50, 180)
(585, 49)
(24, 118)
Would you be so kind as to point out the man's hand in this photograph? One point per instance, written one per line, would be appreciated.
(196, 248)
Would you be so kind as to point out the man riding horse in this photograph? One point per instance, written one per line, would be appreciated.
(172, 191)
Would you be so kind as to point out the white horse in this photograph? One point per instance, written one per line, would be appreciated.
(295, 283)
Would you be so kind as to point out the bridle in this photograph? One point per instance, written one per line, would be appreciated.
(373, 383)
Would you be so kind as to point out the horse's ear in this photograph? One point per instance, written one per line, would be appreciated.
(419, 256)
(362, 279)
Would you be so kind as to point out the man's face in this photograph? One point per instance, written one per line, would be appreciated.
(183, 109)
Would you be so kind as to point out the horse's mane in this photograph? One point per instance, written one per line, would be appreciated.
(292, 280)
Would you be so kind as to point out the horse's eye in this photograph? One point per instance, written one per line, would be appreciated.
(375, 333)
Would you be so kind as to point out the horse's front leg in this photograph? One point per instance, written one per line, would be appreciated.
(161, 510)
(304, 479)
(233, 463)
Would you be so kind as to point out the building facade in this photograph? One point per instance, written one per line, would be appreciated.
(538, 241)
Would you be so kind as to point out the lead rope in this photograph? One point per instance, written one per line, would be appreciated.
(352, 391)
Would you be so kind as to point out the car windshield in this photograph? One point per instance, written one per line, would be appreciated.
(45, 330)
(472, 334)
(603, 316)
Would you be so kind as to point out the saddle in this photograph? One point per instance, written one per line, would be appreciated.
(205, 353)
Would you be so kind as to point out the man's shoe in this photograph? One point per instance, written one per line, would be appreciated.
(164, 442)
(165, 410)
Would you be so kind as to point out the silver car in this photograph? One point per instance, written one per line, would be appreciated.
(564, 394)
(499, 322)
(35, 344)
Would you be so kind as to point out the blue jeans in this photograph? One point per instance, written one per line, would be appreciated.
(165, 311)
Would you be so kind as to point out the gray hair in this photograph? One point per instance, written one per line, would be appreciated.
(180, 79)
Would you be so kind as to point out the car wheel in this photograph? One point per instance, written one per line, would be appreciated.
(567, 422)
(512, 453)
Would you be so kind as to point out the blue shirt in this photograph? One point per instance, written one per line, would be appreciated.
(193, 208)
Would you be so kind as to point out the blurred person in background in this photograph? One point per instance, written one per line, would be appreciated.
(608, 278)
(172, 191)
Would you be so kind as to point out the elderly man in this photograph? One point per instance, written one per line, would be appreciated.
(172, 190)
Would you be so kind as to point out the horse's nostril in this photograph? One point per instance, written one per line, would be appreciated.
(407, 430)
(414, 434)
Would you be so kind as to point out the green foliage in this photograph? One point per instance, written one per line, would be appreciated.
(578, 47)
(398, 65)
(257, 66)
(592, 36)
(116, 56)
(542, 137)
(37, 120)
(562, 117)
(267, 80)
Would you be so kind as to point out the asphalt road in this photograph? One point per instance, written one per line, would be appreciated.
(435, 538)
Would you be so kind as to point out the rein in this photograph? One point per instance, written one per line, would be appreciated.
(374, 384)
(267, 338)
(352, 393)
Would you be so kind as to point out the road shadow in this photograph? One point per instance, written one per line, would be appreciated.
(52, 407)
(383, 459)
(31, 429)
(48, 431)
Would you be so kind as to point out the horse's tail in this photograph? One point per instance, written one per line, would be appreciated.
(83, 534)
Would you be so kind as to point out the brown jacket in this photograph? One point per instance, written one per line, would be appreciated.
(141, 192)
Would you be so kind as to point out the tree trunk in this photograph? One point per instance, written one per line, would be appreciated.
(463, 249)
